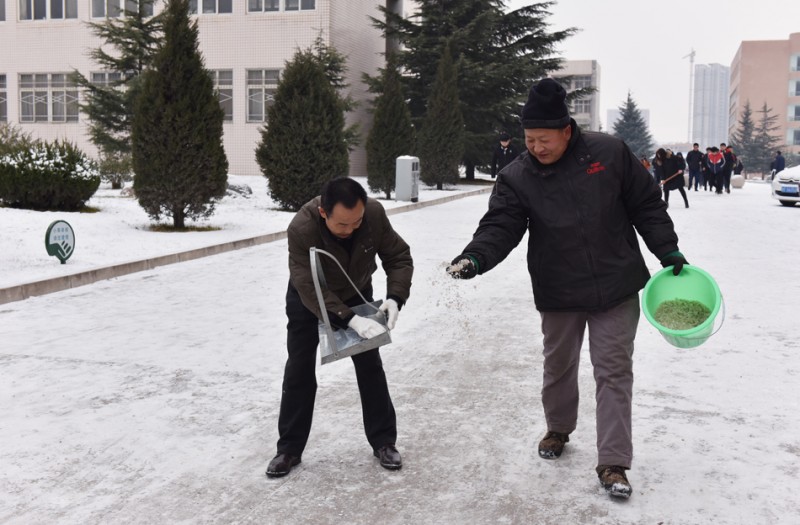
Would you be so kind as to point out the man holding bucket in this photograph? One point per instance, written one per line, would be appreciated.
(345, 223)
(579, 195)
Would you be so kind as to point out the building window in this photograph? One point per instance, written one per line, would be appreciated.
(582, 81)
(794, 88)
(794, 113)
(261, 87)
(2, 10)
(583, 106)
(794, 63)
(106, 78)
(794, 137)
(223, 83)
(46, 9)
(211, 6)
(48, 97)
(117, 8)
(258, 6)
(3, 98)
(304, 5)
(262, 6)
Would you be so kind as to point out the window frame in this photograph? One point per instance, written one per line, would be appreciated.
(68, 10)
(120, 7)
(224, 89)
(195, 11)
(3, 98)
(48, 97)
(260, 93)
(281, 6)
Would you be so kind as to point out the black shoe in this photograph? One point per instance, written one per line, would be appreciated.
(389, 457)
(614, 480)
(281, 465)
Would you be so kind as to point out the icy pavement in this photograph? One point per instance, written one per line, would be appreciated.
(153, 398)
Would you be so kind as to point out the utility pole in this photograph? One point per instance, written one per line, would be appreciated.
(690, 56)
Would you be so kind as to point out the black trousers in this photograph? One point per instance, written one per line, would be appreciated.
(300, 383)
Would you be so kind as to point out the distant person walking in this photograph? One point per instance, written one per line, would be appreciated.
(670, 174)
(730, 162)
(715, 163)
(778, 165)
(503, 153)
(694, 161)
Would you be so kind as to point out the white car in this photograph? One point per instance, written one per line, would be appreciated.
(786, 186)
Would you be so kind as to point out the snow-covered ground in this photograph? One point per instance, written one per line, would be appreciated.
(153, 398)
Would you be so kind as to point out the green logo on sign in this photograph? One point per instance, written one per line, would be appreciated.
(60, 240)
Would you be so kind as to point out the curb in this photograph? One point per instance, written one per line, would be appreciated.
(65, 282)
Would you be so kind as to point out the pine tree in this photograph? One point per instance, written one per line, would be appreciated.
(441, 141)
(134, 39)
(765, 142)
(179, 161)
(335, 65)
(392, 134)
(743, 139)
(632, 129)
(303, 144)
(501, 55)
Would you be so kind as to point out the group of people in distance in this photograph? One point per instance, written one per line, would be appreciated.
(712, 170)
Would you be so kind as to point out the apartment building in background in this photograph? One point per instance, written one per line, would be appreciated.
(768, 71)
(710, 104)
(583, 73)
(245, 44)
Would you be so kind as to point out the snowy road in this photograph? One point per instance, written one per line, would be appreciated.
(153, 398)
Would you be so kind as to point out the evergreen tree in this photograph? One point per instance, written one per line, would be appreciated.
(501, 55)
(178, 158)
(631, 128)
(335, 65)
(303, 144)
(134, 39)
(742, 140)
(441, 140)
(392, 134)
(766, 143)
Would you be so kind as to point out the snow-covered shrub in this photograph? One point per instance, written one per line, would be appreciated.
(47, 176)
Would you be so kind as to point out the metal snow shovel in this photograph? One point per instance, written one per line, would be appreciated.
(336, 343)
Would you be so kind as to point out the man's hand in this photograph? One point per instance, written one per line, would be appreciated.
(676, 260)
(463, 267)
(366, 328)
(391, 310)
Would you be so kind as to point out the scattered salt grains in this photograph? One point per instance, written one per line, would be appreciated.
(451, 297)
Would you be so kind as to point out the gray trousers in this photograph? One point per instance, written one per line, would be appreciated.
(611, 335)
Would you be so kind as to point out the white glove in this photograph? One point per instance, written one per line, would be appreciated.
(391, 310)
(366, 328)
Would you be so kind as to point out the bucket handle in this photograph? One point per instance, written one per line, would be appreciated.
(319, 277)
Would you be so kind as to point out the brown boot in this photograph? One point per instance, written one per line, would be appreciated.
(614, 480)
(552, 445)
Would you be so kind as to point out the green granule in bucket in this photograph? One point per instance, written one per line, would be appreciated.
(681, 314)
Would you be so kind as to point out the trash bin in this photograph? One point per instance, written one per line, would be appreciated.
(406, 182)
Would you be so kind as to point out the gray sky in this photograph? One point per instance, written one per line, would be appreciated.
(640, 44)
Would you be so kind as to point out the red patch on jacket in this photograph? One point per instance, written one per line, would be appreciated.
(595, 167)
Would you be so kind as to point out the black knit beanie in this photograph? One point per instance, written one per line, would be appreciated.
(546, 106)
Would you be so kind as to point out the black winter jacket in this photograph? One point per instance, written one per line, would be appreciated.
(580, 213)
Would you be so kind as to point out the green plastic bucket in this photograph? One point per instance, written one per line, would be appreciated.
(692, 284)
